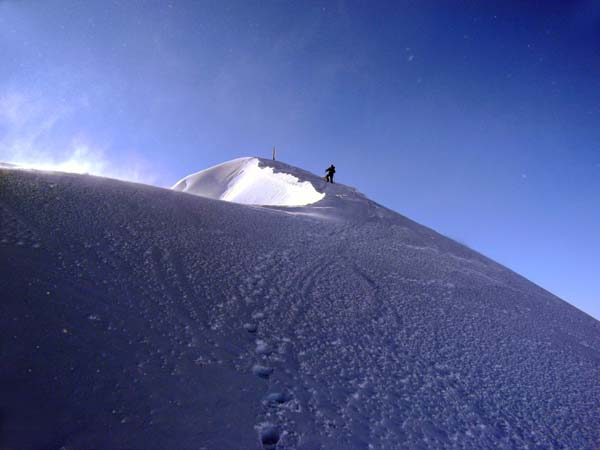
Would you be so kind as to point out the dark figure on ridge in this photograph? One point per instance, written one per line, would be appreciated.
(330, 171)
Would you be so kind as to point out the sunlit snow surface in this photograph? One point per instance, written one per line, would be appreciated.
(245, 181)
(139, 317)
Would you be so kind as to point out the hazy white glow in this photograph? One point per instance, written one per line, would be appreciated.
(83, 160)
(28, 141)
(80, 161)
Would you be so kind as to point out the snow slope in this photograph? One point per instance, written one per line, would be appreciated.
(250, 181)
(139, 317)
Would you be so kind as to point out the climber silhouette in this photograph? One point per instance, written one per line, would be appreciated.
(330, 171)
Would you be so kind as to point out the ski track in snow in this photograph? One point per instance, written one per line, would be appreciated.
(139, 317)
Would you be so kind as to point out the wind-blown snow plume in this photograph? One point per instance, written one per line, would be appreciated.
(30, 138)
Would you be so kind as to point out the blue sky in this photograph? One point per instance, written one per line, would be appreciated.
(478, 119)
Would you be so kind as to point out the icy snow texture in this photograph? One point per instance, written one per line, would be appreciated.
(138, 317)
(244, 181)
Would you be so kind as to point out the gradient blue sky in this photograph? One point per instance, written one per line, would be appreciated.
(480, 119)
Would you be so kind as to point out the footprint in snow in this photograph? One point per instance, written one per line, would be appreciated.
(250, 327)
(269, 436)
(262, 371)
(278, 398)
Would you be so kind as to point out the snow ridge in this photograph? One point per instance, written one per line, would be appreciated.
(250, 181)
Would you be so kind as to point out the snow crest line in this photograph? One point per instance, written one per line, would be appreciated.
(245, 181)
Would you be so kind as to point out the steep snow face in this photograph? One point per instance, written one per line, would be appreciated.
(138, 317)
(252, 182)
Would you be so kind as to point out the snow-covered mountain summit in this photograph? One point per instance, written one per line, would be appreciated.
(263, 182)
(253, 181)
(139, 317)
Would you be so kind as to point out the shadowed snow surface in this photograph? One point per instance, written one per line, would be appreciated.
(139, 317)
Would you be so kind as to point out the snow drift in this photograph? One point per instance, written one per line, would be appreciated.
(138, 317)
(250, 181)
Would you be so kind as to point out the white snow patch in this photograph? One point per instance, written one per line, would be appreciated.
(243, 181)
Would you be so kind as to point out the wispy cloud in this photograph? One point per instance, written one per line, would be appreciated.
(30, 136)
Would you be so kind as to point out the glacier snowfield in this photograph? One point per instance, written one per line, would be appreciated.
(138, 317)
